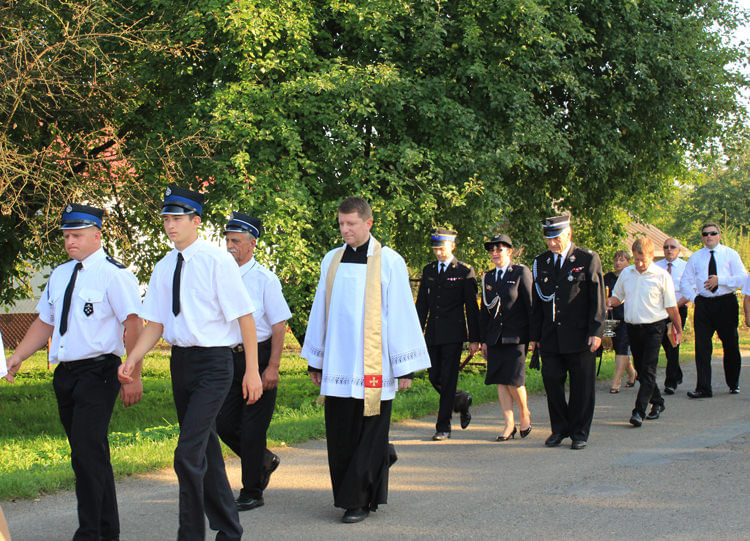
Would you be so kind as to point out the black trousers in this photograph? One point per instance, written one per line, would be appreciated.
(570, 417)
(720, 315)
(673, 375)
(358, 452)
(200, 382)
(445, 360)
(86, 391)
(243, 427)
(644, 345)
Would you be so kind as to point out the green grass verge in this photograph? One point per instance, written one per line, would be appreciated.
(35, 456)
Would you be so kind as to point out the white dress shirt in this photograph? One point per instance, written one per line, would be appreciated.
(648, 294)
(210, 298)
(109, 293)
(264, 288)
(746, 289)
(678, 267)
(729, 269)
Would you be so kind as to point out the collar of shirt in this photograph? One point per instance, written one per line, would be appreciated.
(563, 255)
(502, 270)
(447, 262)
(244, 269)
(191, 250)
(94, 259)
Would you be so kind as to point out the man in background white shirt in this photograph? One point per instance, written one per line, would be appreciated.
(711, 276)
(674, 267)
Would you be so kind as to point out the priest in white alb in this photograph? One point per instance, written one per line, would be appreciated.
(363, 342)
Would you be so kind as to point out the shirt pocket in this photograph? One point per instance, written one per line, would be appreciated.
(92, 303)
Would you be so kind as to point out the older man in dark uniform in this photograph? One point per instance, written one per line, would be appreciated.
(567, 326)
(446, 303)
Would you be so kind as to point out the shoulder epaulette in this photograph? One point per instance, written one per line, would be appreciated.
(116, 263)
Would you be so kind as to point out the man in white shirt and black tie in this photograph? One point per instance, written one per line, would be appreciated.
(674, 267)
(711, 276)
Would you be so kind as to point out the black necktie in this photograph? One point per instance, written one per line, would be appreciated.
(176, 285)
(558, 263)
(498, 275)
(67, 298)
(442, 269)
(712, 269)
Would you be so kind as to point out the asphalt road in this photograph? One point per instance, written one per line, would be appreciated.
(684, 476)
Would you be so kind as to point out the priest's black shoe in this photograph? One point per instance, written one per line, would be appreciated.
(668, 390)
(699, 394)
(245, 503)
(578, 445)
(270, 463)
(636, 420)
(735, 390)
(465, 413)
(440, 436)
(554, 440)
(656, 410)
(355, 515)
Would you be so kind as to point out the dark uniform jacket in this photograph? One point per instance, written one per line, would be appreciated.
(578, 303)
(441, 303)
(509, 320)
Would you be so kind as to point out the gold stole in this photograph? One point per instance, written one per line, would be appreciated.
(373, 343)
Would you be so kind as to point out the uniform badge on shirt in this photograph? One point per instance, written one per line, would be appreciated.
(88, 309)
(572, 258)
(489, 288)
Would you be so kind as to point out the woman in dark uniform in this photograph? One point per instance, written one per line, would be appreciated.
(504, 330)
(620, 340)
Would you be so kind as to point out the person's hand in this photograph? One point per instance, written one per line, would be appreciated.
(678, 338)
(270, 377)
(594, 343)
(131, 393)
(316, 377)
(126, 372)
(473, 347)
(484, 351)
(13, 365)
(403, 384)
(252, 388)
(712, 282)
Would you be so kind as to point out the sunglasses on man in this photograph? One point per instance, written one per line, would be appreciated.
(711, 233)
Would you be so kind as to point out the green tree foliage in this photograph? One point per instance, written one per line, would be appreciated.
(475, 114)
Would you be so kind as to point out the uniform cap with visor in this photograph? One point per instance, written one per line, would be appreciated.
(77, 216)
(244, 223)
(179, 201)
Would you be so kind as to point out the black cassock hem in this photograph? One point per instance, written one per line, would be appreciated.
(359, 454)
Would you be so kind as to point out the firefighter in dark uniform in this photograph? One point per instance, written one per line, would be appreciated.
(447, 304)
(567, 325)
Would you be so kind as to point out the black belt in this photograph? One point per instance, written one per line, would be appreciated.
(717, 297)
(239, 348)
(70, 365)
(647, 324)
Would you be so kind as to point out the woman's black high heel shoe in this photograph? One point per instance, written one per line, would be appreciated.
(526, 432)
(510, 436)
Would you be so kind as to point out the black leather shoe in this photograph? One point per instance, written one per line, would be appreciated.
(656, 410)
(636, 420)
(465, 413)
(669, 390)
(578, 444)
(736, 390)
(555, 439)
(245, 503)
(526, 432)
(699, 394)
(441, 436)
(355, 515)
(269, 466)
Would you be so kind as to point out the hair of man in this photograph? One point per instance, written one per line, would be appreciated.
(358, 205)
(710, 224)
(644, 246)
